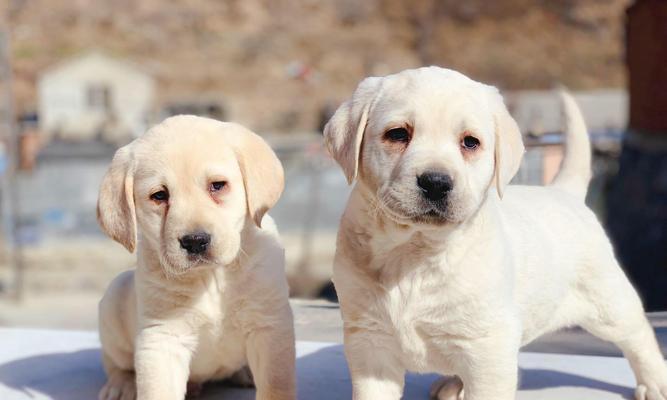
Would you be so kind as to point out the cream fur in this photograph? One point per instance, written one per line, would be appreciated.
(459, 291)
(177, 319)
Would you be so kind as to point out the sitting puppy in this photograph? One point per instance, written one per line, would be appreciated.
(442, 267)
(209, 295)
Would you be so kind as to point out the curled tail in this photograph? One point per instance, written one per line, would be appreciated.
(575, 169)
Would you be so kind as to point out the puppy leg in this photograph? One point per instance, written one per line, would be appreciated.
(118, 362)
(447, 388)
(115, 315)
(497, 379)
(643, 352)
(489, 367)
(618, 316)
(271, 358)
(162, 363)
(120, 383)
(375, 371)
(634, 336)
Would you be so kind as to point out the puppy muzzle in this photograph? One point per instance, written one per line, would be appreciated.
(195, 243)
(435, 186)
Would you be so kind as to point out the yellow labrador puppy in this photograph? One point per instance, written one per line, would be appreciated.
(441, 267)
(208, 296)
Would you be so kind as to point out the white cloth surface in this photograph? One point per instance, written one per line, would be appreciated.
(66, 365)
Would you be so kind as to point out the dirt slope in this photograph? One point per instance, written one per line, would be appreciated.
(276, 62)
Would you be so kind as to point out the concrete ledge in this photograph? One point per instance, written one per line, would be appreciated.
(65, 365)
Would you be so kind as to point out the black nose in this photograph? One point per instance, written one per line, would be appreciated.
(434, 185)
(195, 243)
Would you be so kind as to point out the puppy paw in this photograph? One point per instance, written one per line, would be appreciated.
(447, 388)
(120, 386)
(651, 392)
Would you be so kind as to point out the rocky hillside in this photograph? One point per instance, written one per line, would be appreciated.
(275, 63)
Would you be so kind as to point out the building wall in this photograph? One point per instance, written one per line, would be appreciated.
(63, 96)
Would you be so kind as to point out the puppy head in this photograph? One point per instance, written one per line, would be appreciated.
(187, 188)
(428, 143)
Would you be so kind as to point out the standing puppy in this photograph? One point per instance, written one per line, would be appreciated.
(442, 267)
(209, 295)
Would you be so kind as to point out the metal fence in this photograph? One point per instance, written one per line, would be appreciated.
(58, 200)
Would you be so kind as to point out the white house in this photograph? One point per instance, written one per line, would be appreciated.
(94, 95)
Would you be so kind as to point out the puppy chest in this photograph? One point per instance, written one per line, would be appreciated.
(220, 352)
(413, 346)
(416, 325)
(220, 343)
(429, 322)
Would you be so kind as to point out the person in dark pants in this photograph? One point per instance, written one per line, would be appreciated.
(637, 212)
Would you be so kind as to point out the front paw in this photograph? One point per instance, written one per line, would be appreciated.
(447, 388)
(651, 392)
(121, 385)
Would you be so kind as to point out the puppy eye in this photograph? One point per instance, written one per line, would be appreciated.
(400, 135)
(470, 142)
(160, 196)
(217, 186)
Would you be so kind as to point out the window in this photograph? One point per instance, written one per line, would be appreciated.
(98, 97)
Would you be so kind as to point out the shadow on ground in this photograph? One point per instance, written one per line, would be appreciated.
(537, 379)
(75, 375)
(323, 375)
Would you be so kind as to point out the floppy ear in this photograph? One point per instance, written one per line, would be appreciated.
(509, 144)
(115, 204)
(344, 132)
(263, 175)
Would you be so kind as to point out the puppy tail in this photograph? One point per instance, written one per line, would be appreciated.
(575, 169)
